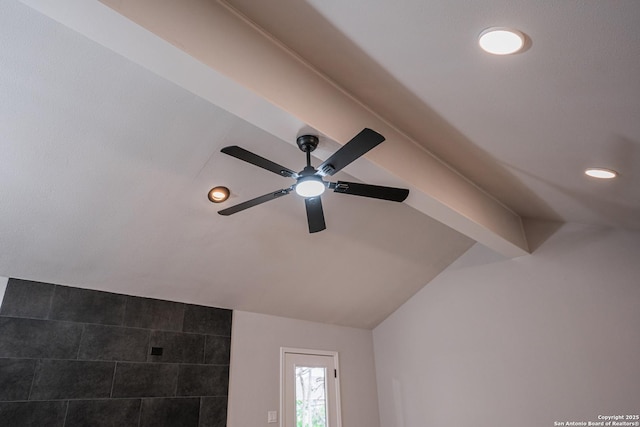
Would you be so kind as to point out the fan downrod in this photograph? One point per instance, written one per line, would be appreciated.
(307, 143)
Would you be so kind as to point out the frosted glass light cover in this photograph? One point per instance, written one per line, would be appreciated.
(601, 173)
(501, 41)
(310, 188)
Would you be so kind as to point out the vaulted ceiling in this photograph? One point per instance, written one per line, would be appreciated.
(114, 113)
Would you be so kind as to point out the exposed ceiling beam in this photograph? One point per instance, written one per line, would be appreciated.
(235, 65)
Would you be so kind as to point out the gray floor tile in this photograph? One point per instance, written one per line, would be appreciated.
(207, 320)
(72, 379)
(38, 338)
(32, 414)
(203, 380)
(114, 343)
(16, 376)
(177, 347)
(154, 314)
(24, 298)
(213, 412)
(103, 413)
(145, 380)
(89, 306)
(170, 412)
(217, 350)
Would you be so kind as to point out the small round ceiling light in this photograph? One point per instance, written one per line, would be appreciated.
(501, 40)
(601, 173)
(219, 194)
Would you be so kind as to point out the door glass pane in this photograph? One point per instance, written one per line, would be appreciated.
(311, 401)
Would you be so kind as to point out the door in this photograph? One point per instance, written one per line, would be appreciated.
(310, 389)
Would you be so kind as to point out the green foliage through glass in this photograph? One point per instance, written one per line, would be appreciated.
(311, 405)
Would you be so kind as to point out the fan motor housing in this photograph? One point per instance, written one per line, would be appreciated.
(307, 143)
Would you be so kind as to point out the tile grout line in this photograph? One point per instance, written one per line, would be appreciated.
(66, 412)
(53, 294)
(33, 380)
(80, 342)
(204, 351)
(124, 311)
(175, 391)
(113, 380)
(140, 411)
(148, 352)
(184, 315)
(184, 310)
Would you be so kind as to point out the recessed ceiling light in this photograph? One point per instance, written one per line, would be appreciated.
(601, 173)
(219, 194)
(501, 40)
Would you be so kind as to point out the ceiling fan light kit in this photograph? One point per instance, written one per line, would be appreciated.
(309, 181)
(310, 186)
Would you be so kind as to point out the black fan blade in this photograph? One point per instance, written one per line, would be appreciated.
(359, 145)
(366, 190)
(315, 215)
(254, 159)
(253, 202)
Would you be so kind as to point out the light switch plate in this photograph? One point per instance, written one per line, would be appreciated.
(272, 417)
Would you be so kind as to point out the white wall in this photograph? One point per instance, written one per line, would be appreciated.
(554, 336)
(254, 384)
(3, 287)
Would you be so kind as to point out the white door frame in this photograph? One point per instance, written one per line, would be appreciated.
(336, 362)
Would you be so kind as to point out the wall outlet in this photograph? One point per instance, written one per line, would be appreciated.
(272, 417)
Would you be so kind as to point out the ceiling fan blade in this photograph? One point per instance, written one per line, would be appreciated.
(315, 215)
(359, 145)
(367, 190)
(254, 159)
(254, 202)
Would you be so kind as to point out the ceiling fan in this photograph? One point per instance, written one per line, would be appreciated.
(309, 183)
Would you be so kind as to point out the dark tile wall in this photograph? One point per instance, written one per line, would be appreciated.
(77, 357)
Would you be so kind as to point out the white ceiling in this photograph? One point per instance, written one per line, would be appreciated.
(106, 165)
(523, 127)
(104, 176)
